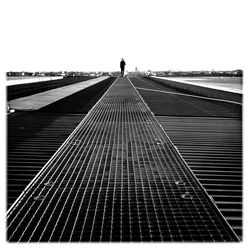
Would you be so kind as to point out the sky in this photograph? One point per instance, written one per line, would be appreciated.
(93, 35)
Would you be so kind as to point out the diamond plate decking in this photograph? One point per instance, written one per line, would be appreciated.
(116, 178)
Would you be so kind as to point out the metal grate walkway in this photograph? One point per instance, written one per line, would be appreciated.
(116, 178)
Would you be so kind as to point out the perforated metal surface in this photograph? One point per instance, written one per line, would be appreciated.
(117, 178)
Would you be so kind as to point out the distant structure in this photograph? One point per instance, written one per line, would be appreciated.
(209, 73)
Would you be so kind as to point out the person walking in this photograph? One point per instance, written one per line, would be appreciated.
(122, 66)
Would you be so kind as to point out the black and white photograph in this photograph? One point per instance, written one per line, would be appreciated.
(123, 123)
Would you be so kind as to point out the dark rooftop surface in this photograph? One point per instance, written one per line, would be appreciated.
(164, 100)
(33, 137)
(208, 134)
(118, 177)
(212, 147)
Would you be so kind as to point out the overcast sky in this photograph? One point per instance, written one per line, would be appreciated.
(150, 34)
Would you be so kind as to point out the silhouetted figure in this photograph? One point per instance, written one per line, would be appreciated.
(122, 66)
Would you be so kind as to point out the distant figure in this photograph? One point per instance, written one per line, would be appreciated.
(122, 66)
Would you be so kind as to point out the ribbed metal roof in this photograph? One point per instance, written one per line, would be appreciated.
(21, 90)
(208, 134)
(117, 178)
(212, 147)
(33, 137)
(32, 140)
(165, 100)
